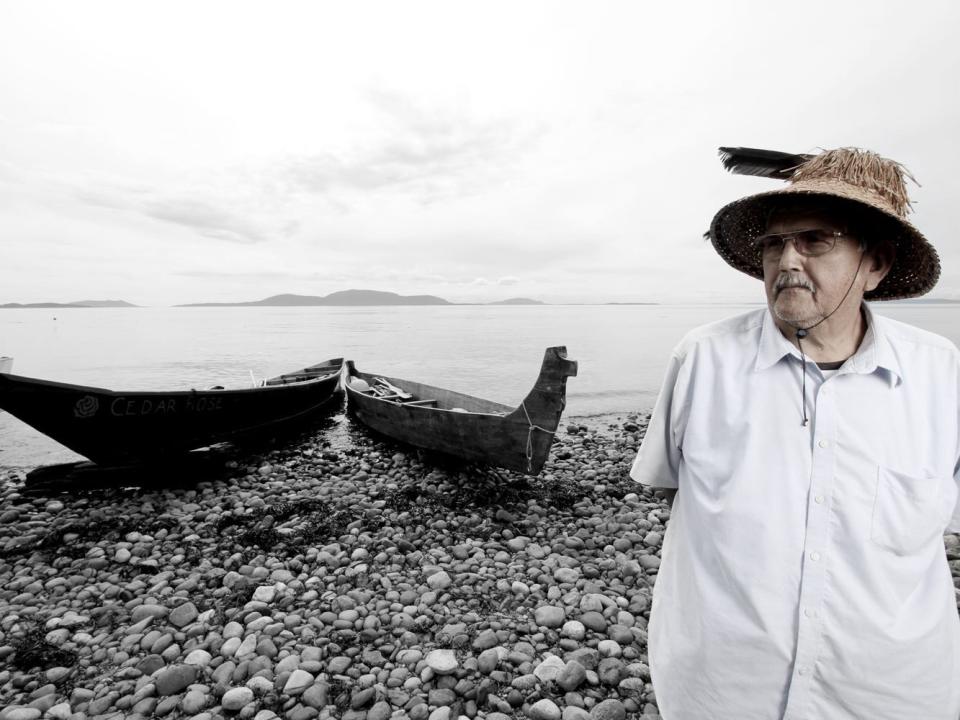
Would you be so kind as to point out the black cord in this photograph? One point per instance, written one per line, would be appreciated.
(803, 332)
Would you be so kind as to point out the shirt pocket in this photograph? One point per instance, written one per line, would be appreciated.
(907, 511)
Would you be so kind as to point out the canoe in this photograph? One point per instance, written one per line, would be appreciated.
(129, 428)
(463, 426)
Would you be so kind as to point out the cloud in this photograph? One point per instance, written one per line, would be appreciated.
(205, 217)
(427, 154)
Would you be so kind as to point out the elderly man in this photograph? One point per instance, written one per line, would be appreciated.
(813, 447)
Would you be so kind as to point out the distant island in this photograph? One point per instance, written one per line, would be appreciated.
(353, 298)
(77, 304)
(517, 301)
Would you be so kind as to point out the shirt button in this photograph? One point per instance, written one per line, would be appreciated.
(818, 499)
(824, 443)
(803, 670)
(810, 613)
(825, 391)
(814, 556)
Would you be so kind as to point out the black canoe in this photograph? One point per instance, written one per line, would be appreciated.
(464, 426)
(129, 428)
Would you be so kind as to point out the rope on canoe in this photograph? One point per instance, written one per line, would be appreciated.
(530, 430)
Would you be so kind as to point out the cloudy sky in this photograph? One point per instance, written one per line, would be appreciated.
(173, 152)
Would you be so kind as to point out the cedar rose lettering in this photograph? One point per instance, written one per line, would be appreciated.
(122, 407)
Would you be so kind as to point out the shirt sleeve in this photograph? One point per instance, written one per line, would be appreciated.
(658, 460)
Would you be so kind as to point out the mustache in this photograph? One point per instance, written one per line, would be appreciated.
(788, 280)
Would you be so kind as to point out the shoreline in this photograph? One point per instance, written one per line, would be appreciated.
(62, 454)
(340, 576)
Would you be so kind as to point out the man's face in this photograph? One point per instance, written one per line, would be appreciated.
(802, 290)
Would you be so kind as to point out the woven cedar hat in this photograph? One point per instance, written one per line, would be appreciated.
(857, 177)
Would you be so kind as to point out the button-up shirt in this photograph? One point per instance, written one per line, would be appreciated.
(803, 574)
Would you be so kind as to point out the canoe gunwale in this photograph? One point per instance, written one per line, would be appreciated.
(93, 389)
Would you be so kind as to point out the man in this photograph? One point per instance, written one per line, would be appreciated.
(813, 447)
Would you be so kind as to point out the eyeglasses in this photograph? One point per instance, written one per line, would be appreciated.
(809, 243)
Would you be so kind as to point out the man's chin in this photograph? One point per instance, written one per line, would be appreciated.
(795, 314)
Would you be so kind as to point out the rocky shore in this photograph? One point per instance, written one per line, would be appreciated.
(340, 576)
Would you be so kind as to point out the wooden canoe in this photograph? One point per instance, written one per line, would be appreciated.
(463, 426)
(130, 428)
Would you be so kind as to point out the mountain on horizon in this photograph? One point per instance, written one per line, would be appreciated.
(352, 298)
(517, 301)
(77, 304)
(341, 298)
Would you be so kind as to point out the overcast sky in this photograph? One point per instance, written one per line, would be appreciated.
(175, 152)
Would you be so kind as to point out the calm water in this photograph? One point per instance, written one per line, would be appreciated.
(489, 351)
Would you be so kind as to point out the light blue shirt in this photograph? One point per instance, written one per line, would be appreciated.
(803, 574)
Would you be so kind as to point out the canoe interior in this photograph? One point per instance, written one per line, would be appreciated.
(115, 427)
(445, 399)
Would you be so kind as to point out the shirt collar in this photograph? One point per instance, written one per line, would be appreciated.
(873, 354)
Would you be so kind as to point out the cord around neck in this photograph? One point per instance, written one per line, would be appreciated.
(803, 332)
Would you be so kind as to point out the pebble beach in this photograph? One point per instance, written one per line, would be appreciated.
(338, 576)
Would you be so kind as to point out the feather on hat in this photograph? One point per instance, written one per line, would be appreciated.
(851, 174)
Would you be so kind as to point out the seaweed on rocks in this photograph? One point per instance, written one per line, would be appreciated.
(33, 650)
(73, 551)
(239, 596)
(286, 510)
(226, 521)
(316, 523)
(96, 527)
(339, 692)
(193, 553)
(129, 571)
(324, 526)
(265, 538)
(92, 530)
(560, 494)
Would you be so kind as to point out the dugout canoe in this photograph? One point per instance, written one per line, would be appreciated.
(129, 428)
(463, 426)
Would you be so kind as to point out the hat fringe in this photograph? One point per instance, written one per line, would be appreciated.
(864, 169)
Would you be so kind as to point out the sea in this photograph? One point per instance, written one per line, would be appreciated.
(491, 351)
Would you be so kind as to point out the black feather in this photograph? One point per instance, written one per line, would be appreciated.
(762, 163)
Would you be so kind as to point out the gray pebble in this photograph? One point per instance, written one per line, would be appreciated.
(235, 699)
(544, 710)
(608, 710)
(572, 676)
(183, 615)
(174, 679)
(549, 616)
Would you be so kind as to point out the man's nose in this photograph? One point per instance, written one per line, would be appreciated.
(790, 259)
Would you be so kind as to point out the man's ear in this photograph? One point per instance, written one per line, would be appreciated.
(880, 260)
